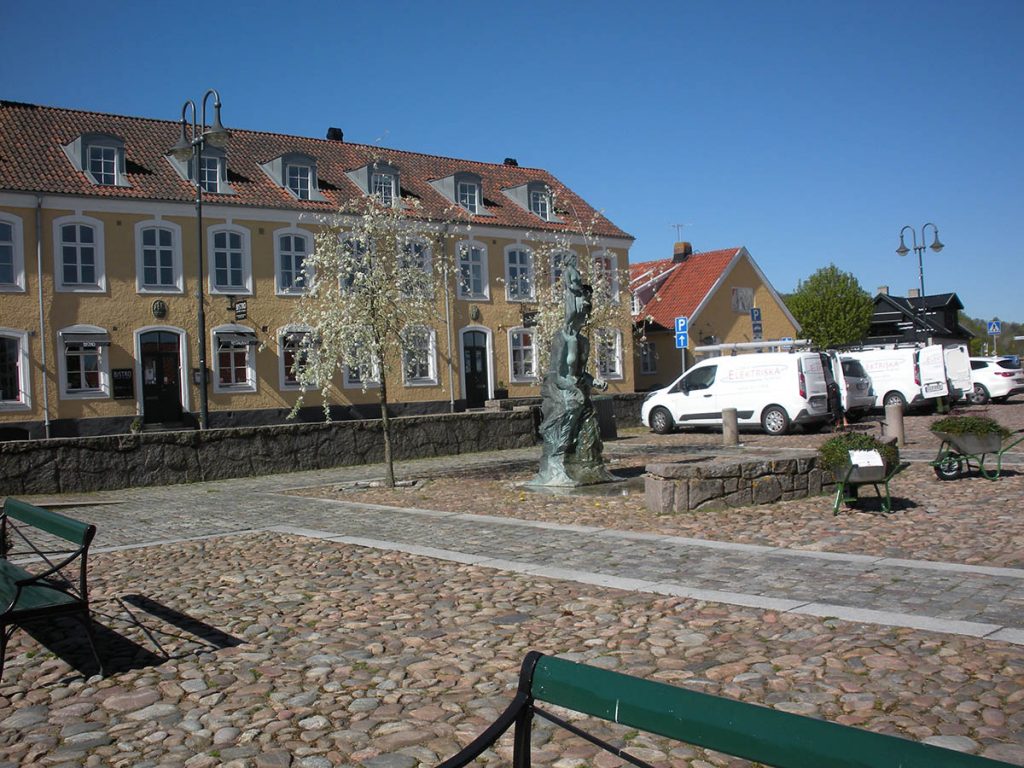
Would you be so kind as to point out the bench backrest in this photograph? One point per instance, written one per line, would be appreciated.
(736, 728)
(49, 521)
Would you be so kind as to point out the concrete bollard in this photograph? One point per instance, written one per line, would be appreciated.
(730, 427)
(893, 424)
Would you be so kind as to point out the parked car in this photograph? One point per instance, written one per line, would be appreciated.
(774, 390)
(995, 379)
(860, 394)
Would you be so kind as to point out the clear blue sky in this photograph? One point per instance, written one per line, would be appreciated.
(808, 131)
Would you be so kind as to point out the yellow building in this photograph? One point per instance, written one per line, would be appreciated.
(715, 291)
(98, 272)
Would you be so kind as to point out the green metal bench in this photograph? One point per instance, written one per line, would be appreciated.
(749, 731)
(58, 587)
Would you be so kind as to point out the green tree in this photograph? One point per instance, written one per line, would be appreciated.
(831, 307)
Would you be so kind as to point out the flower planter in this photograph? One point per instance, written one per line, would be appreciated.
(851, 474)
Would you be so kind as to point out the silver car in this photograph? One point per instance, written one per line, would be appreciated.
(860, 395)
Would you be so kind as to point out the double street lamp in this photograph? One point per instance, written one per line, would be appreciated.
(192, 148)
(919, 249)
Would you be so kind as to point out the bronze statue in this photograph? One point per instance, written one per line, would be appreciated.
(572, 441)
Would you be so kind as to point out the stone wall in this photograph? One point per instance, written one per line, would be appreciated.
(165, 458)
(706, 483)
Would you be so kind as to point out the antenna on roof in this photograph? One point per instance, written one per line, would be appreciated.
(679, 230)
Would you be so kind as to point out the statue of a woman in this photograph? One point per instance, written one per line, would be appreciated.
(572, 443)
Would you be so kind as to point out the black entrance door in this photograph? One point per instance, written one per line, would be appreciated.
(161, 369)
(474, 365)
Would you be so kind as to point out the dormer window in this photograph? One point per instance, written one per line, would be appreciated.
(469, 195)
(100, 157)
(379, 180)
(298, 180)
(382, 187)
(295, 172)
(213, 170)
(540, 203)
(535, 197)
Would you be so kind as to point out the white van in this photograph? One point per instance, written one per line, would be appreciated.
(908, 376)
(775, 390)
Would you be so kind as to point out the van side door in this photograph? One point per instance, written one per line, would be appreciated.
(695, 400)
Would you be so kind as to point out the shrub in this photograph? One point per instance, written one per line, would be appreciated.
(970, 425)
(834, 452)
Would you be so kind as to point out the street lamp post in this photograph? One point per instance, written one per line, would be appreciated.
(192, 148)
(919, 249)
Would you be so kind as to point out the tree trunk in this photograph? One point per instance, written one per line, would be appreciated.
(389, 460)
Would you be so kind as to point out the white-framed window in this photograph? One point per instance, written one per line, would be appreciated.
(419, 356)
(292, 246)
(12, 254)
(100, 156)
(416, 275)
(361, 377)
(608, 353)
(540, 203)
(78, 254)
(15, 392)
(648, 358)
(522, 354)
(158, 257)
(467, 194)
(355, 261)
(519, 279)
(559, 261)
(382, 187)
(230, 260)
(84, 362)
(606, 264)
(103, 164)
(293, 354)
(473, 281)
(210, 173)
(299, 179)
(234, 358)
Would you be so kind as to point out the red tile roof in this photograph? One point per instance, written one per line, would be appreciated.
(686, 285)
(32, 160)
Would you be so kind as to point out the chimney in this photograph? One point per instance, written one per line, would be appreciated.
(335, 134)
(913, 293)
(884, 290)
(512, 162)
(681, 252)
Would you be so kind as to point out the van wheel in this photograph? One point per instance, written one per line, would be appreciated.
(661, 421)
(895, 398)
(775, 420)
(979, 395)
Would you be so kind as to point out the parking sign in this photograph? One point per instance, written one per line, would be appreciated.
(682, 323)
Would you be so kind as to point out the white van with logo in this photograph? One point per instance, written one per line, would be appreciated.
(774, 390)
(908, 376)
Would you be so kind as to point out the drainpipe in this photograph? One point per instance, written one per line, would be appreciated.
(42, 316)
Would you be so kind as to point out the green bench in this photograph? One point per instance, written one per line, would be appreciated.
(58, 586)
(766, 736)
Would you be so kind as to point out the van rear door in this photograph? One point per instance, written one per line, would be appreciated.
(932, 369)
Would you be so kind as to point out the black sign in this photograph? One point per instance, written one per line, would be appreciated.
(241, 310)
(124, 387)
(529, 319)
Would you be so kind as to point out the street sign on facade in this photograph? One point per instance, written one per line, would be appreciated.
(682, 324)
(682, 340)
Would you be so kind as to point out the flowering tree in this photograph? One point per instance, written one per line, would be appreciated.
(371, 302)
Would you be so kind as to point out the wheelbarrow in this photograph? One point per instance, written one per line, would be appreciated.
(961, 453)
(850, 477)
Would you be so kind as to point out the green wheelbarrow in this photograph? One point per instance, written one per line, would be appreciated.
(961, 453)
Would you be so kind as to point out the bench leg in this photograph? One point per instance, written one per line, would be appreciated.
(6, 630)
(86, 618)
(521, 740)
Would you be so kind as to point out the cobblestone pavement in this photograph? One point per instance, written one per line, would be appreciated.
(390, 633)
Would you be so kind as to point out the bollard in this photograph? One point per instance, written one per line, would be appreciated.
(893, 424)
(730, 428)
